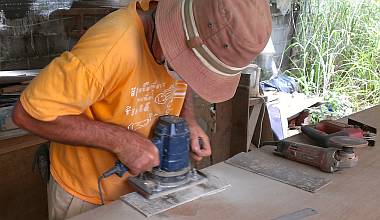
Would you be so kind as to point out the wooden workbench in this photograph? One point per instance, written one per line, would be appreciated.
(22, 192)
(353, 194)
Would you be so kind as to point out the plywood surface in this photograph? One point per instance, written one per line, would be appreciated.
(353, 194)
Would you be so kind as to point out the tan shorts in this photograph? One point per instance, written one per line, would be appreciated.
(62, 205)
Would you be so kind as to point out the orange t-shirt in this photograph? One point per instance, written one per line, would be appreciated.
(109, 76)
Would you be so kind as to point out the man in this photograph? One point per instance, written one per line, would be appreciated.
(98, 102)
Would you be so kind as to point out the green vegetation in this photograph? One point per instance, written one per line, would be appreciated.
(336, 53)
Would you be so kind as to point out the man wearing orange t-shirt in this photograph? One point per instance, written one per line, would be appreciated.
(98, 102)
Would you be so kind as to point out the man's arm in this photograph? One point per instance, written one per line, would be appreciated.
(196, 132)
(135, 151)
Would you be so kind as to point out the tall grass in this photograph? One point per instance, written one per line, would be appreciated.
(336, 52)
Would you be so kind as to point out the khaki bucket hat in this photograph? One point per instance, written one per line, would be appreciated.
(209, 42)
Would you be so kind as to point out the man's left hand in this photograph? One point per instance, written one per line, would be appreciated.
(200, 142)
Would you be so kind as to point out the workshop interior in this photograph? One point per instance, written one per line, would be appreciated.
(298, 140)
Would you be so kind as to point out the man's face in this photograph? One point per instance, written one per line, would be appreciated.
(160, 58)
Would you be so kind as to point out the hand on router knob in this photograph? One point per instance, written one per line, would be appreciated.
(137, 153)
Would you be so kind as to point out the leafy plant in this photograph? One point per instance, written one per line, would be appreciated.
(336, 52)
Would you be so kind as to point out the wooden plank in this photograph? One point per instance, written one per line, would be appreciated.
(240, 118)
(221, 138)
(4, 135)
(12, 89)
(263, 128)
(255, 119)
(14, 144)
(246, 114)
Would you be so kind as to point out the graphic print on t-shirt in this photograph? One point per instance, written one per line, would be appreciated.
(146, 96)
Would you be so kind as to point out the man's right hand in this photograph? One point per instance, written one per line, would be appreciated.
(138, 153)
